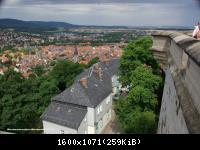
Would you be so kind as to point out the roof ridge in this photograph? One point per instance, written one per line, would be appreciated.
(70, 104)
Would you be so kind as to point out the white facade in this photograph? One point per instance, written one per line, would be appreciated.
(116, 86)
(93, 123)
(100, 116)
(52, 128)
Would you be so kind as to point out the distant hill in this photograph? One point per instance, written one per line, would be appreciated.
(41, 26)
(20, 25)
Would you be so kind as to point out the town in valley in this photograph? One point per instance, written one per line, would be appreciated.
(99, 67)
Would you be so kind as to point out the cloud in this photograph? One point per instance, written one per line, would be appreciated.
(198, 2)
(109, 12)
(95, 1)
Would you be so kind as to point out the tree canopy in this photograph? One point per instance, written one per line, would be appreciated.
(136, 112)
(135, 53)
(23, 100)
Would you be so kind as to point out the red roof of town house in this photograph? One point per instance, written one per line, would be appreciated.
(26, 75)
(4, 59)
(87, 52)
(83, 62)
(7, 51)
(4, 69)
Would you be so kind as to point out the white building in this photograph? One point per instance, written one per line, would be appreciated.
(86, 106)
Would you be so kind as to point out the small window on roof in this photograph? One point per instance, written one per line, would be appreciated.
(107, 100)
(72, 90)
(100, 108)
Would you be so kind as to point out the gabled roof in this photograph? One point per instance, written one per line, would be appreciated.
(78, 97)
(65, 114)
(96, 91)
(111, 67)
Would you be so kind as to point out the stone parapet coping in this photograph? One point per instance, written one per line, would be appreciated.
(190, 45)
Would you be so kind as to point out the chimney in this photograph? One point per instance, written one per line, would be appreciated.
(100, 74)
(96, 68)
(107, 62)
(98, 71)
(84, 82)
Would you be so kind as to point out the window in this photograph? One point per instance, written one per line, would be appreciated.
(62, 132)
(101, 123)
(107, 115)
(108, 100)
(112, 79)
(98, 110)
(85, 132)
(101, 108)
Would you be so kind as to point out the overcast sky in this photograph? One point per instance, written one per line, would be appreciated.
(106, 12)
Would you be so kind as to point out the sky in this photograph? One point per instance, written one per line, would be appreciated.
(105, 12)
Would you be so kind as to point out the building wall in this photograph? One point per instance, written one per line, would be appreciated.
(192, 80)
(83, 128)
(91, 120)
(180, 108)
(97, 121)
(91, 129)
(106, 118)
(171, 119)
(116, 85)
(106, 105)
(52, 128)
(90, 116)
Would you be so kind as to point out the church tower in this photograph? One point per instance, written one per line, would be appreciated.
(75, 56)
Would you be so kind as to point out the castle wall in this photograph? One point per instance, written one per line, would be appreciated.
(179, 57)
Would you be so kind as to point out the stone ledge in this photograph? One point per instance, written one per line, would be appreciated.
(190, 45)
(190, 57)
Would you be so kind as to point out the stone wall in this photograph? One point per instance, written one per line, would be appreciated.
(179, 57)
(171, 119)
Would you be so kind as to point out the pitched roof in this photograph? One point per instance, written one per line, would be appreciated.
(110, 67)
(65, 114)
(97, 90)
(78, 97)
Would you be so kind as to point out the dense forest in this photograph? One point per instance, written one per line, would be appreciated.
(137, 110)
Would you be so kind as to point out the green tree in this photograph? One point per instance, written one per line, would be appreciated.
(144, 77)
(137, 112)
(144, 98)
(93, 61)
(38, 70)
(135, 53)
(23, 100)
(139, 122)
(64, 73)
